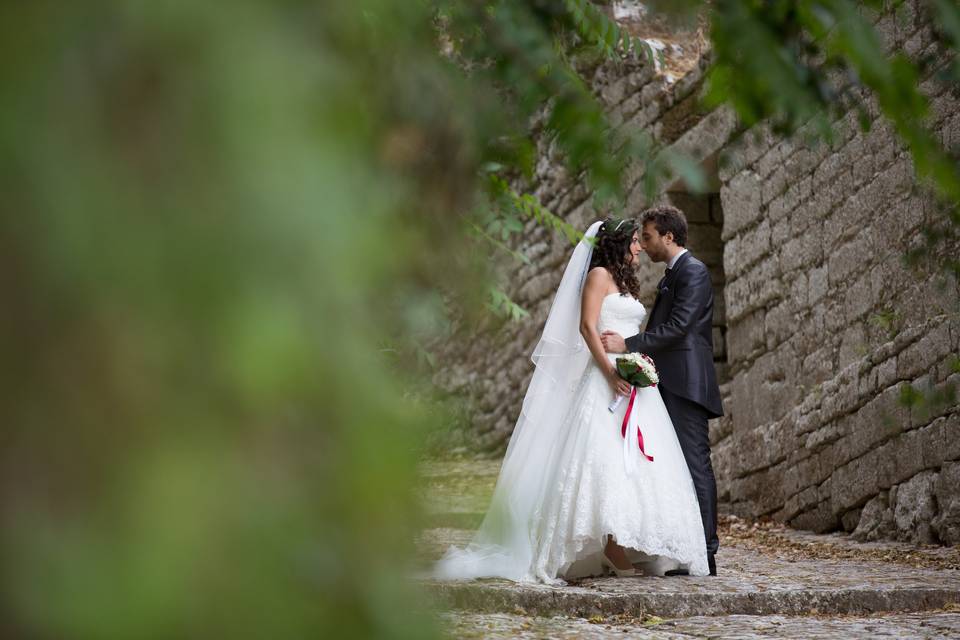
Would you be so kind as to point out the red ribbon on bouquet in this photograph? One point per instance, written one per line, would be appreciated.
(626, 419)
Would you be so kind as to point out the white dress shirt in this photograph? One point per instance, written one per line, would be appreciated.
(673, 261)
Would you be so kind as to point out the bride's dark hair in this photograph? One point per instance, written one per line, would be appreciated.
(611, 250)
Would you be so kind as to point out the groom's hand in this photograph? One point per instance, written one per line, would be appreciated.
(613, 342)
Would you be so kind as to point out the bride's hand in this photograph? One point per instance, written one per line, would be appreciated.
(618, 384)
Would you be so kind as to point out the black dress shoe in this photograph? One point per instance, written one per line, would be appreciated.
(677, 572)
(712, 564)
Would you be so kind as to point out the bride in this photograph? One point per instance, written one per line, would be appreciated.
(584, 488)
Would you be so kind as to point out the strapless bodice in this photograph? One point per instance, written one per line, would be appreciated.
(622, 314)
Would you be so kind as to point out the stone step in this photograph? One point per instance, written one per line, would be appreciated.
(901, 626)
(749, 583)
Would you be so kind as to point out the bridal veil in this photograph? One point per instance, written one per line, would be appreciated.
(504, 545)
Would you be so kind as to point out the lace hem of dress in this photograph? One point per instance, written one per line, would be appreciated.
(574, 550)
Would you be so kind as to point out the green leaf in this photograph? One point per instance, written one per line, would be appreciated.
(501, 304)
(910, 397)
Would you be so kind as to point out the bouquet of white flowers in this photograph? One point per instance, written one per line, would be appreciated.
(637, 369)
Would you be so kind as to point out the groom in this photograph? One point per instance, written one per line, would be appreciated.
(679, 337)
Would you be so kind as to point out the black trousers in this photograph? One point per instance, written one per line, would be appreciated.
(690, 422)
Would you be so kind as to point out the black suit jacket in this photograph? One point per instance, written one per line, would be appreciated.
(679, 334)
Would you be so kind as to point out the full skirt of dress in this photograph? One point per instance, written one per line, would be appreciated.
(596, 484)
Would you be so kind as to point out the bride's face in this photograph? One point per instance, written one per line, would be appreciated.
(634, 249)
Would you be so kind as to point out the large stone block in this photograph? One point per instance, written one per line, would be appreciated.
(887, 373)
(719, 305)
(905, 215)
(809, 421)
(950, 132)
(705, 138)
(773, 390)
(906, 459)
(615, 90)
(864, 169)
(941, 440)
(825, 435)
(780, 232)
(876, 520)
(820, 519)
(754, 289)
(942, 107)
(855, 482)
(915, 508)
(745, 337)
(898, 179)
(859, 298)
(797, 298)
(852, 257)
(818, 366)
(922, 355)
(880, 136)
(770, 161)
(731, 257)
(947, 492)
(850, 520)
(797, 192)
(703, 240)
(875, 422)
(741, 203)
(819, 283)
(828, 169)
(744, 151)
(852, 345)
(780, 323)
(773, 185)
(805, 250)
(752, 246)
(846, 128)
(845, 221)
(538, 288)
(758, 489)
(800, 164)
(762, 393)
(796, 504)
(853, 152)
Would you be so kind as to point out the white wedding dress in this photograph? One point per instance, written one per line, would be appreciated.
(572, 479)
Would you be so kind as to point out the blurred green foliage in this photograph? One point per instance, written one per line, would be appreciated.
(212, 216)
(228, 233)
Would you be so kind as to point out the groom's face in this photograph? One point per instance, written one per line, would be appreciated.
(653, 243)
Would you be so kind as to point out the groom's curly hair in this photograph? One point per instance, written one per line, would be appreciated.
(611, 250)
(666, 219)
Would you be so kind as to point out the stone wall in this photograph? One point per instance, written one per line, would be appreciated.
(826, 326)
(819, 325)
